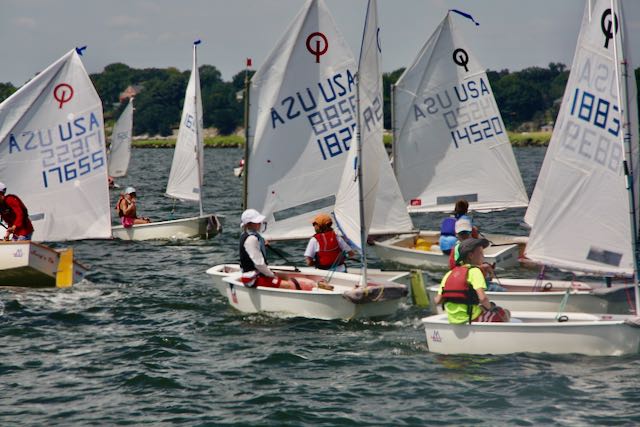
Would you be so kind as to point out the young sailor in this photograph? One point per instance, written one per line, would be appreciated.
(14, 213)
(462, 290)
(253, 258)
(326, 250)
(448, 232)
(464, 231)
(126, 208)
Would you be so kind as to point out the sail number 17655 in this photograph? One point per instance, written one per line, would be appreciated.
(74, 169)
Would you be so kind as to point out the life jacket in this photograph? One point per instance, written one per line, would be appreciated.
(118, 208)
(457, 289)
(448, 227)
(329, 255)
(246, 263)
(121, 211)
(9, 216)
(6, 209)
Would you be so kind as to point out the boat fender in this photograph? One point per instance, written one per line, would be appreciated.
(418, 293)
(563, 319)
(421, 244)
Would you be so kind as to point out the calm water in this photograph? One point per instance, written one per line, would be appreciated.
(149, 342)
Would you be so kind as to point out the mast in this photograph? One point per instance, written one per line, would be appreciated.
(363, 233)
(393, 130)
(626, 134)
(245, 168)
(199, 153)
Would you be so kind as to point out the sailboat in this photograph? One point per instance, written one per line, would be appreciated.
(302, 143)
(185, 178)
(450, 143)
(587, 220)
(52, 155)
(120, 149)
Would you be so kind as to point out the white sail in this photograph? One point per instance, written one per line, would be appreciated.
(120, 150)
(450, 140)
(381, 201)
(185, 178)
(302, 122)
(581, 203)
(52, 153)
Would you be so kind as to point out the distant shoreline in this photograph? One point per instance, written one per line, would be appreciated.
(525, 139)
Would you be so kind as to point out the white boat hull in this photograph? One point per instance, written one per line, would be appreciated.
(204, 226)
(535, 332)
(400, 250)
(316, 304)
(522, 295)
(221, 271)
(237, 171)
(34, 265)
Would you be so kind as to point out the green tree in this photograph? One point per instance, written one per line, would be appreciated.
(6, 90)
(159, 105)
(518, 99)
(389, 79)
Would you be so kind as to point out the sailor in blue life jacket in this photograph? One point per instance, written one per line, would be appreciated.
(326, 250)
(462, 290)
(253, 259)
(448, 237)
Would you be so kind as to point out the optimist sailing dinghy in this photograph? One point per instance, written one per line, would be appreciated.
(583, 211)
(185, 178)
(550, 295)
(401, 249)
(353, 296)
(52, 155)
(450, 143)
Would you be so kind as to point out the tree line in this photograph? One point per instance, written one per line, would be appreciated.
(527, 99)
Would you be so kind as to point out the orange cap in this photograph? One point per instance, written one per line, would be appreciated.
(322, 219)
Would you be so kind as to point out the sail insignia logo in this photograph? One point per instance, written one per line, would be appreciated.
(18, 253)
(321, 45)
(435, 336)
(63, 93)
(606, 22)
(461, 58)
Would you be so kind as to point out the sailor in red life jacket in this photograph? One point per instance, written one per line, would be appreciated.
(326, 249)
(253, 259)
(15, 214)
(462, 290)
(127, 211)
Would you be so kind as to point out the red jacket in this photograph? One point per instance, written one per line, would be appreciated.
(14, 212)
(329, 255)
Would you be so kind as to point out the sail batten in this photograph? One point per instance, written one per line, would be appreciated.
(52, 153)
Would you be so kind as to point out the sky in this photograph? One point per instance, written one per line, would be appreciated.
(513, 34)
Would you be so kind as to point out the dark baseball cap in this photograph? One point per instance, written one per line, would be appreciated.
(469, 245)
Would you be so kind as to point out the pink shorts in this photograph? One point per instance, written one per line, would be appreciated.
(126, 222)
